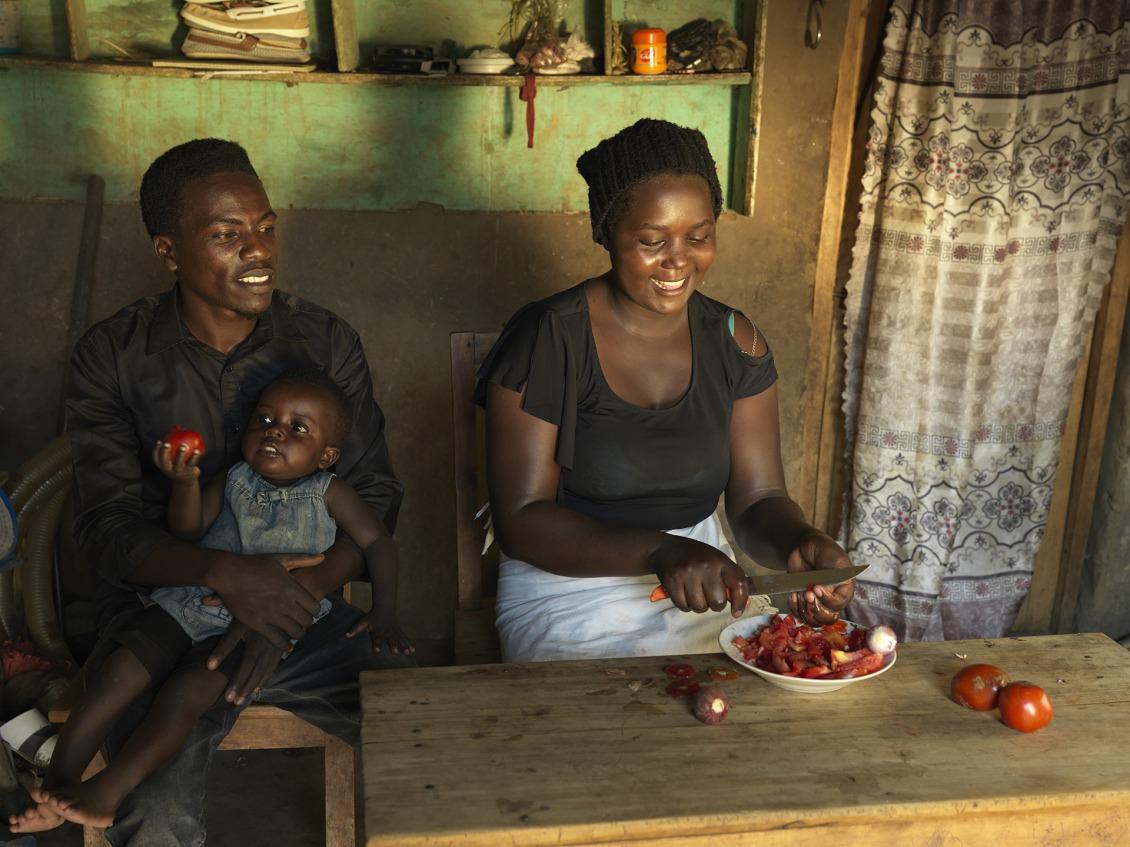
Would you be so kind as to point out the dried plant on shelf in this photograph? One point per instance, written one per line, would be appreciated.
(546, 47)
(618, 61)
(544, 16)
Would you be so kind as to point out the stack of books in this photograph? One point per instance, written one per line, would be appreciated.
(267, 31)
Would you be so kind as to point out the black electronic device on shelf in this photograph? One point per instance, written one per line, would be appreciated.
(401, 59)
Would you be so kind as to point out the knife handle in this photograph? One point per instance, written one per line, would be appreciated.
(660, 593)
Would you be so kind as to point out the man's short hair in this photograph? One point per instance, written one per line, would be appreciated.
(164, 181)
(342, 410)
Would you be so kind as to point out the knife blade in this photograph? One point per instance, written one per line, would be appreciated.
(784, 583)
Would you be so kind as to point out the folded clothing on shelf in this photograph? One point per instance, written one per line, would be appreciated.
(204, 44)
(255, 17)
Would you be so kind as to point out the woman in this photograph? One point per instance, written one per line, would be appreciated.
(618, 411)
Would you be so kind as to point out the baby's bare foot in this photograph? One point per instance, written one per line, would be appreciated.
(38, 818)
(90, 803)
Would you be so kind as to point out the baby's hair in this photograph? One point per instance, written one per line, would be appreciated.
(342, 409)
(164, 181)
(645, 149)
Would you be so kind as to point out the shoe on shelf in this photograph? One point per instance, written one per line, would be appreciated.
(255, 2)
(254, 16)
(202, 44)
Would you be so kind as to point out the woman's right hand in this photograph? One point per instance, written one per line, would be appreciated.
(698, 576)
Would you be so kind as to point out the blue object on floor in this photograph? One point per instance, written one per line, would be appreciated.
(9, 532)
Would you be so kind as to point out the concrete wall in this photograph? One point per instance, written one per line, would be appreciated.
(405, 279)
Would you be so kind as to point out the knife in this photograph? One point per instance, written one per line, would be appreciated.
(785, 583)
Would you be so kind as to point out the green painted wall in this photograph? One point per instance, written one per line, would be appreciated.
(327, 146)
(340, 146)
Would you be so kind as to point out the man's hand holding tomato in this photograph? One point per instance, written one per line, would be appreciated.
(821, 604)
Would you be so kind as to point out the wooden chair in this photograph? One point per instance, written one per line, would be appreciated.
(476, 640)
(260, 727)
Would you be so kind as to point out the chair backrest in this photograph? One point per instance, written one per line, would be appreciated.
(468, 349)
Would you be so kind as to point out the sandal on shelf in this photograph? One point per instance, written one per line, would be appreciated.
(288, 19)
(201, 44)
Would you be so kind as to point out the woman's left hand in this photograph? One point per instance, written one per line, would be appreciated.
(822, 603)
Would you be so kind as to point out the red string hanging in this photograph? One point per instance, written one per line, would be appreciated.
(527, 94)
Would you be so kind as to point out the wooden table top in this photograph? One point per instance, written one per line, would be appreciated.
(567, 753)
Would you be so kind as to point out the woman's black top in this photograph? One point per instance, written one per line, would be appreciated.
(620, 463)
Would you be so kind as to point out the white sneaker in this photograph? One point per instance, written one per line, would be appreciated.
(31, 736)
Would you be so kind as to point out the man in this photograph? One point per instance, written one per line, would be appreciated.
(199, 355)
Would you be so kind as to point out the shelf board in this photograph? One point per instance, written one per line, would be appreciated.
(360, 78)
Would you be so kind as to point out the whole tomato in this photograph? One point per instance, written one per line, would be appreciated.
(178, 436)
(977, 686)
(1025, 706)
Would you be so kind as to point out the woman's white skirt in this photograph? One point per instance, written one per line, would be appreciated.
(543, 616)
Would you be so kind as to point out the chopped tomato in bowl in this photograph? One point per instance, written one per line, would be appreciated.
(798, 657)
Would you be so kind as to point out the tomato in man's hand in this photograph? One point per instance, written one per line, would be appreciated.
(190, 439)
(1025, 707)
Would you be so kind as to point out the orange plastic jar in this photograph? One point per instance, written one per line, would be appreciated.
(649, 51)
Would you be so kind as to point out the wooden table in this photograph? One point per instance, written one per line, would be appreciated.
(566, 753)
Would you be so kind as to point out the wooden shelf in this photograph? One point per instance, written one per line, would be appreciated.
(249, 71)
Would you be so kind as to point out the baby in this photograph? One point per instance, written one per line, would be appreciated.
(280, 499)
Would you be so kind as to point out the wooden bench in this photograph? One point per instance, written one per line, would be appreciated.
(262, 727)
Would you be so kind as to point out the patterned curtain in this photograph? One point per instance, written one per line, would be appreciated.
(997, 175)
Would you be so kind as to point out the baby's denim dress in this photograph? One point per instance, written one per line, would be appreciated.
(255, 518)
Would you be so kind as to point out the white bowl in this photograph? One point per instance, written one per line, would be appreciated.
(745, 627)
(489, 65)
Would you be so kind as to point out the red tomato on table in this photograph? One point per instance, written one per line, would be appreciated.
(723, 674)
(190, 439)
(679, 671)
(977, 686)
(1025, 707)
(682, 687)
